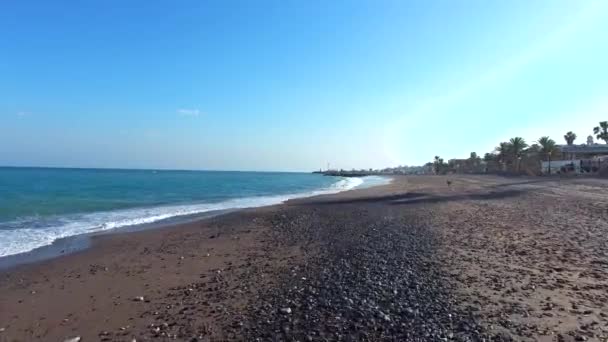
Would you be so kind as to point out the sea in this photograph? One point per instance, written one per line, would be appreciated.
(39, 206)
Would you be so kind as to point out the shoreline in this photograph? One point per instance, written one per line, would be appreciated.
(217, 253)
(80, 242)
(483, 258)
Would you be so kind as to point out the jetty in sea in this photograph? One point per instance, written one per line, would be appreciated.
(352, 173)
(399, 170)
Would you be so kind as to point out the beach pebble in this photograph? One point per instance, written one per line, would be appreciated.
(139, 299)
(286, 311)
(73, 339)
(2, 329)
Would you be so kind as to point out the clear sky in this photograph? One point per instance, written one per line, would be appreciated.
(293, 85)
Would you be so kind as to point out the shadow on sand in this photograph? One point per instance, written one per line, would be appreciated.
(421, 197)
(531, 181)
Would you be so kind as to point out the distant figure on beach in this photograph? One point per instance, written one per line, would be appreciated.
(449, 182)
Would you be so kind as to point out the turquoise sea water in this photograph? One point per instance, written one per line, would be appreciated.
(40, 205)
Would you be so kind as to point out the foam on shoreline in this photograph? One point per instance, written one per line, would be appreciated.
(38, 232)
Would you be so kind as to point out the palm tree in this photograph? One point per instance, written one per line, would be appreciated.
(518, 145)
(570, 137)
(438, 164)
(547, 148)
(601, 131)
(502, 152)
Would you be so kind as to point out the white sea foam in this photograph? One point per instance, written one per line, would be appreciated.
(369, 181)
(20, 240)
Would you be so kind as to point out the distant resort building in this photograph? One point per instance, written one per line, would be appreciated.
(583, 158)
(583, 151)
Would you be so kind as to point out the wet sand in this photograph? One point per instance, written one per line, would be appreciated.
(485, 258)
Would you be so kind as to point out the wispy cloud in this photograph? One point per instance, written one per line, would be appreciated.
(188, 112)
(22, 114)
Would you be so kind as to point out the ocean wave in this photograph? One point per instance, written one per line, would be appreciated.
(28, 234)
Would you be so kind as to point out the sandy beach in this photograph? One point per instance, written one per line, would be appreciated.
(486, 258)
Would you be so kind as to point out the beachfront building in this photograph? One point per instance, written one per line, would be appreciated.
(583, 158)
(583, 151)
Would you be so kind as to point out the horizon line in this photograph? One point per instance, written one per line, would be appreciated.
(139, 169)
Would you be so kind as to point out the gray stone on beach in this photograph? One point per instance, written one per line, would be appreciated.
(73, 339)
(365, 283)
(138, 299)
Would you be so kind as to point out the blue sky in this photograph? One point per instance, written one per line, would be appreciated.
(293, 85)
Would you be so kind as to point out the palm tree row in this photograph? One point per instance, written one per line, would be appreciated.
(509, 154)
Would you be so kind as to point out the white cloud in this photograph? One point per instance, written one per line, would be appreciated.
(22, 114)
(188, 112)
